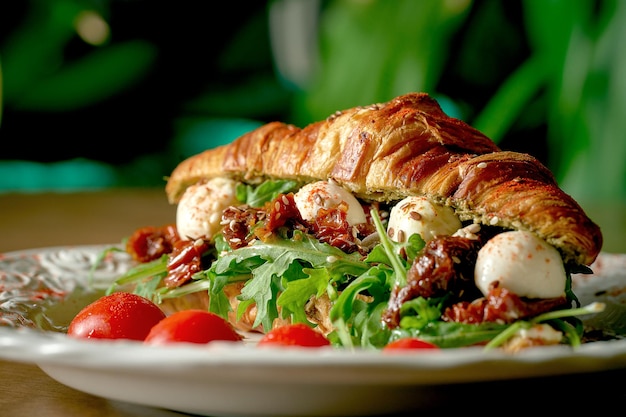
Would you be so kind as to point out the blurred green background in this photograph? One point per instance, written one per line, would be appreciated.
(114, 93)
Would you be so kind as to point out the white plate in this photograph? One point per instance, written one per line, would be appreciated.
(41, 290)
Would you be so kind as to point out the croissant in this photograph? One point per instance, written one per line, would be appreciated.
(407, 146)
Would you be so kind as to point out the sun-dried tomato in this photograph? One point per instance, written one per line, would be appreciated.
(238, 221)
(184, 261)
(331, 226)
(151, 242)
(502, 306)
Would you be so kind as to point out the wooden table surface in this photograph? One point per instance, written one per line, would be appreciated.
(56, 219)
(52, 219)
(33, 220)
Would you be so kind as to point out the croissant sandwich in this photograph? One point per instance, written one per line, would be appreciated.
(380, 222)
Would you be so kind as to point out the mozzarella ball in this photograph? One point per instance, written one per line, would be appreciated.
(326, 194)
(199, 210)
(523, 264)
(416, 214)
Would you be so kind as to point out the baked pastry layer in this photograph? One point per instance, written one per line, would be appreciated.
(407, 146)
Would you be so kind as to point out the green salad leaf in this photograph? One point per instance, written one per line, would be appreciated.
(282, 274)
(273, 265)
(266, 191)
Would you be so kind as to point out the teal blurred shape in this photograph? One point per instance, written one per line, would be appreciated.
(71, 175)
(196, 135)
(449, 106)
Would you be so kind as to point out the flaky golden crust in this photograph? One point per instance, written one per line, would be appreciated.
(407, 146)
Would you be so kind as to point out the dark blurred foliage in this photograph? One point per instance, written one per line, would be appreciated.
(192, 61)
(481, 58)
(178, 49)
(174, 78)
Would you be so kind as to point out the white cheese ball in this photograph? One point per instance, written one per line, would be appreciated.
(326, 194)
(523, 264)
(199, 210)
(417, 214)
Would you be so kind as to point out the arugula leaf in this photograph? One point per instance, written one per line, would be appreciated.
(99, 260)
(261, 290)
(569, 293)
(361, 323)
(298, 292)
(189, 288)
(141, 272)
(266, 191)
(572, 329)
(218, 302)
(554, 317)
(271, 264)
(376, 276)
(452, 334)
(373, 332)
(352, 317)
(418, 312)
(148, 288)
(394, 260)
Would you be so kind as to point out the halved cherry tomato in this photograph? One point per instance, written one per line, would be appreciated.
(298, 334)
(408, 343)
(120, 315)
(193, 326)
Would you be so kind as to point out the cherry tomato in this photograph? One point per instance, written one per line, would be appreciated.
(408, 343)
(120, 315)
(298, 334)
(193, 326)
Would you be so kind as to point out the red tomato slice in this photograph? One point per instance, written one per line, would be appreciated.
(120, 315)
(192, 326)
(298, 334)
(409, 343)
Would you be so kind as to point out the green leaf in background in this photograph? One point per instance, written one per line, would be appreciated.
(39, 77)
(255, 97)
(97, 76)
(0, 92)
(595, 168)
(578, 42)
(512, 98)
(372, 51)
(576, 65)
(35, 49)
(554, 28)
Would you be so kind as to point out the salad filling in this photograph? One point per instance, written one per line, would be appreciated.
(362, 273)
